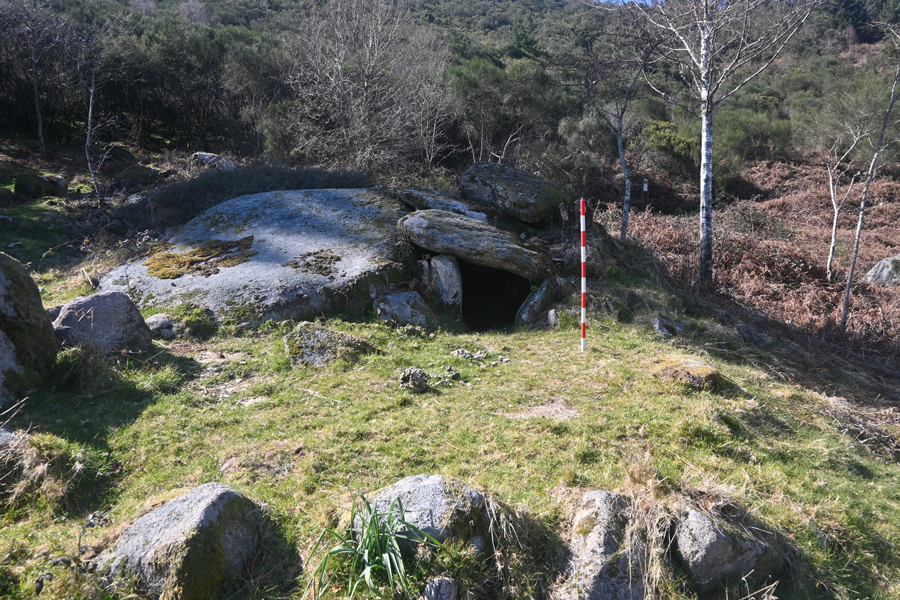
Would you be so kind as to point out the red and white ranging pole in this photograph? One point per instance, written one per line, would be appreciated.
(583, 279)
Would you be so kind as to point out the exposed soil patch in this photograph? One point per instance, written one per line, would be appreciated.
(556, 410)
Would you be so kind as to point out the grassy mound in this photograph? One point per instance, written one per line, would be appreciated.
(811, 455)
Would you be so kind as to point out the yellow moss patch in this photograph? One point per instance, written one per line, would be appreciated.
(205, 259)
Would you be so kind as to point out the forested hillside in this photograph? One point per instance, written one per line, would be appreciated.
(589, 94)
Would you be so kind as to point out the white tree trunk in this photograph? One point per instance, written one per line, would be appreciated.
(705, 273)
(626, 203)
(89, 138)
(831, 248)
(37, 100)
(870, 175)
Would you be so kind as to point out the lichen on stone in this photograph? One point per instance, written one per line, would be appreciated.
(205, 259)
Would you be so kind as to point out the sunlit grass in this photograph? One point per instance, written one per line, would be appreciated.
(231, 409)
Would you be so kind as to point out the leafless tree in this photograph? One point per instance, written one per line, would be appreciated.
(39, 31)
(719, 46)
(606, 71)
(883, 140)
(838, 171)
(92, 49)
(367, 85)
(143, 7)
(194, 12)
(431, 110)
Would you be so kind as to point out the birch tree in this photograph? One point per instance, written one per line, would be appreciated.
(92, 49)
(718, 46)
(367, 86)
(606, 71)
(870, 175)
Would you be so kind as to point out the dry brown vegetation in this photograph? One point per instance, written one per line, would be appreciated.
(771, 252)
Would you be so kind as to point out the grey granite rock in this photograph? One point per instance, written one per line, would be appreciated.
(106, 323)
(190, 546)
(474, 241)
(277, 255)
(27, 342)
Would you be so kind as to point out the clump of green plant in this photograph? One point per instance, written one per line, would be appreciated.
(374, 550)
(198, 322)
(44, 468)
(84, 371)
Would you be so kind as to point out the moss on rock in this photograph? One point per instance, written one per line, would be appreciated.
(314, 345)
(690, 370)
(205, 259)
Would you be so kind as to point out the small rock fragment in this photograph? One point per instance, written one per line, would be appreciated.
(441, 588)
(163, 326)
(415, 380)
(667, 328)
(463, 353)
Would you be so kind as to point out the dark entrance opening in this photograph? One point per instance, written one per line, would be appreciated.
(491, 297)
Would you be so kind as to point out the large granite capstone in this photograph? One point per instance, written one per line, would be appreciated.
(514, 192)
(276, 255)
(474, 241)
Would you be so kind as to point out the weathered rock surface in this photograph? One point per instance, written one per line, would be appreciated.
(666, 327)
(710, 553)
(406, 308)
(886, 272)
(32, 186)
(536, 305)
(474, 241)
(118, 152)
(311, 344)
(8, 437)
(692, 370)
(442, 282)
(441, 588)
(440, 506)
(517, 193)
(106, 323)
(27, 342)
(138, 174)
(277, 255)
(212, 160)
(558, 315)
(13, 448)
(602, 568)
(188, 548)
(425, 199)
(163, 326)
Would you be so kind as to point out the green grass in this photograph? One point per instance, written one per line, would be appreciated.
(231, 409)
(800, 443)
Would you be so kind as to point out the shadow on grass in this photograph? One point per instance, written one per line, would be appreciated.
(70, 419)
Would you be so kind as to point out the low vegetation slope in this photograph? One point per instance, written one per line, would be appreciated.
(801, 439)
